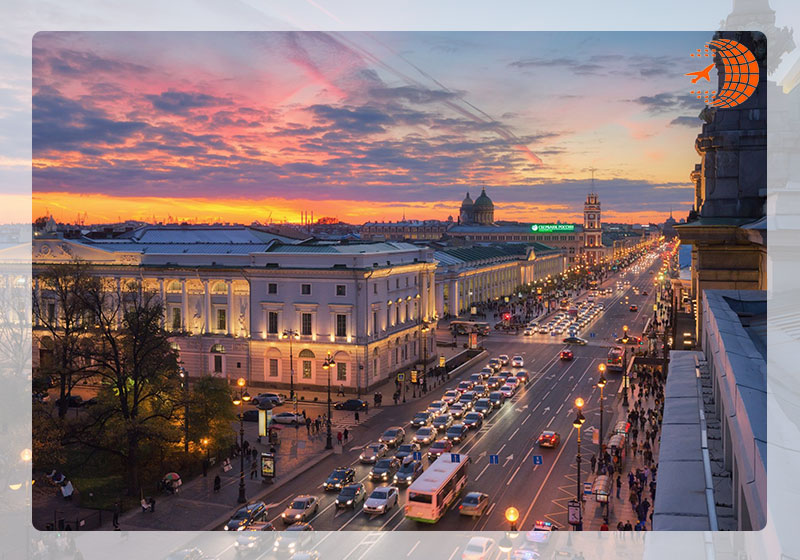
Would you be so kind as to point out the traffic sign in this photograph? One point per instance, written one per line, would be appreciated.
(455, 458)
(592, 335)
(417, 455)
(401, 376)
(587, 488)
(494, 459)
(538, 460)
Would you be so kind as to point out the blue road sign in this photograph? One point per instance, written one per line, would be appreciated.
(587, 488)
(613, 335)
(538, 460)
(494, 459)
(591, 335)
(417, 455)
(455, 458)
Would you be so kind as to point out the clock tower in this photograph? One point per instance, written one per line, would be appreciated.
(592, 232)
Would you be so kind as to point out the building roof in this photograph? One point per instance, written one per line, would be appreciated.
(346, 249)
(467, 202)
(486, 253)
(200, 234)
(508, 228)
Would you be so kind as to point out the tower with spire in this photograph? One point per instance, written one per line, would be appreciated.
(592, 229)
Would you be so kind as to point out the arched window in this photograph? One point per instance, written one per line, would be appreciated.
(219, 288)
(306, 362)
(306, 353)
(174, 287)
(218, 349)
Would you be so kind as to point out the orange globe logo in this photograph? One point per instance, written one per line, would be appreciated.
(740, 74)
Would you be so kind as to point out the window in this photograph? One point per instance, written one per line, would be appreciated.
(397, 314)
(397, 283)
(374, 288)
(51, 312)
(388, 317)
(273, 367)
(341, 371)
(217, 363)
(305, 324)
(272, 322)
(306, 369)
(396, 355)
(341, 325)
(222, 323)
(341, 290)
(176, 318)
(406, 281)
(374, 322)
(305, 289)
(272, 288)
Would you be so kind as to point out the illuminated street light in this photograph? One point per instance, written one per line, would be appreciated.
(512, 515)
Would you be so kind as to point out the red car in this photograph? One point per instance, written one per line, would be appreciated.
(566, 354)
(634, 308)
(549, 439)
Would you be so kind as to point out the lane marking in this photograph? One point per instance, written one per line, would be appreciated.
(559, 409)
(513, 475)
(550, 422)
(526, 419)
(491, 507)
(413, 548)
(513, 434)
(483, 471)
(454, 552)
(544, 482)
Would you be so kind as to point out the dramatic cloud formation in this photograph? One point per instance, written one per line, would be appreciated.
(212, 125)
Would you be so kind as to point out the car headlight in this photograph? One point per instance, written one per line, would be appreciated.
(408, 477)
(382, 507)
(349, 502)
(385, 476)
(361, 456)
(298, 516)
(226, 528)
(240, 528)
(282, 515)
(338, 485)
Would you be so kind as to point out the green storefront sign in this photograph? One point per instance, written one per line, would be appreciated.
(550, 228)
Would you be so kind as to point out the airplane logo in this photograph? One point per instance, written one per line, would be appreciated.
(701, 74)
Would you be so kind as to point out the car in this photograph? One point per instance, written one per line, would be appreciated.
(494, 382)
(442, 422)
(513, 381)
(644, 293)
(633, 308)
(468, 398)
(302, 508)
(540, 533)
(495, 364)
(350, 495)
(186, 554)
(474, 504)
(458, 410)
(250, 416)
(517, 361)
(372, 452)
(523, 375)
(422, 419)
(293, 540)
(575, 340)
(384, 469)
(473, 420)
(273, 398)
(382, 499)
(245, 515)
(341, 476)
(497, 398)
(439, 446)
(503, 359)
(549, 438)
(476, 378)
(437, 407)
(456, 433)
(393, 436)
(408, 472)
(566, 355)
(288, 418)
(450, 396)
(425, 435)
(480, 390)
(487, 372)
(406, 450)
(484, 406)
(464, 386)
(351, 405)
(478, 548)
(507, 390)
(528, 331)
(247, 542)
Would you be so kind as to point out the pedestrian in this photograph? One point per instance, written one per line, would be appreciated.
(341, 390)
(152, 504)
(115, 517)
(628, 526)
(308, 426)
(632, 499)
(303, 412)
(346, 434)
(254, 453)
(631, 479)
(317, 424)
(217, 483)
(593, 462)
(604, 526)
(619, 484)
(253, 471)
(339, 437)
(620, 526)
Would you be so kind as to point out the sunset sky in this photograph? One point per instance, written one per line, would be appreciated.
(362, 126)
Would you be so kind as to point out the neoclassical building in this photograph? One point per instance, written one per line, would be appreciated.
(231, 293)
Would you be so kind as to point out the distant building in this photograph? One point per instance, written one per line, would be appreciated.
(405, 230)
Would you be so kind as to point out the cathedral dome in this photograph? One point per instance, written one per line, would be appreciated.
(467, 203)
(483, 202)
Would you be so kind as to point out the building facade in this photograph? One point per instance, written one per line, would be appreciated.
(231, 305)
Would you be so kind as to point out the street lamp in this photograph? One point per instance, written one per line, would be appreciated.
(625, 377)
(577, 423)
(601, 383)
(291, 335)
(239, 399)
(512, 515)
(327, 365)
(185, 383)
(424, 330)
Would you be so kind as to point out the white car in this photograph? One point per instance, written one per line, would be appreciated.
(382, 499)
(288, 418)
(528, 331)
(478, 548)
(517, 361)
(507, 390)
(503, 359)
(437, 407)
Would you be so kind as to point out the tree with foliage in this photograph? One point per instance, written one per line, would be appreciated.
(211, 412)
(61, 332)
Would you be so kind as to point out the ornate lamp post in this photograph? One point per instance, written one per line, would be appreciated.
(327, 365)
(241, 397)
(291, 335)
(424, 339)
(185, 384)
(601, 383)
(625, 377)
(577, 424)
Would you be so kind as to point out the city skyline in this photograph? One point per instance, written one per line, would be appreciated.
(140, 124)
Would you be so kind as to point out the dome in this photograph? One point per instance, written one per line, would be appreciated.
(467, 203)
(483, 202)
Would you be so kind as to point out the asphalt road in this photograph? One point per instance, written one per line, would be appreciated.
(546, 402)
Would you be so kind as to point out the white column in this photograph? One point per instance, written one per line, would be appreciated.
(165, 316)
(184, 306)
(230, 306)
(207, 307)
